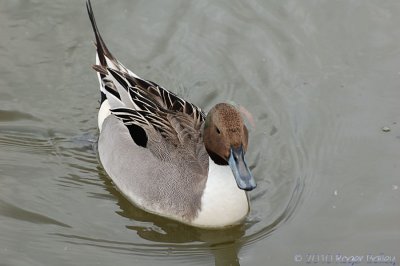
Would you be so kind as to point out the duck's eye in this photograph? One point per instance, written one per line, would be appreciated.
(219, 132)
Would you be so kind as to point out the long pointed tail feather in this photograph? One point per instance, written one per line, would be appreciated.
(102, 50)
(121, 88)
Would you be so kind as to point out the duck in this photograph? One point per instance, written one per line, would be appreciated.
(166, 155)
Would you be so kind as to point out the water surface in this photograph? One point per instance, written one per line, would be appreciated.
(321, 79)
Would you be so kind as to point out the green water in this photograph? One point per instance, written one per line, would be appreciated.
(321, 79)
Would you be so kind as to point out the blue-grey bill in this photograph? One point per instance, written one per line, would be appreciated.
(241, 172)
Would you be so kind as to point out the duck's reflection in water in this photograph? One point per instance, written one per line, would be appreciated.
(224, 244)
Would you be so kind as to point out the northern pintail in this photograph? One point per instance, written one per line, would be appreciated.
(164, 153)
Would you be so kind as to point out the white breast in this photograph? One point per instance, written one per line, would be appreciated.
(222, 203)
(103, 113)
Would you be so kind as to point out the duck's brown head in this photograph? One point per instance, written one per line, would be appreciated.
(226, 138)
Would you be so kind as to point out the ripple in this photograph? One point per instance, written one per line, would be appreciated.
(29, 139)
(284, 217)
(11, 211)
(78, 152)
(6, 116)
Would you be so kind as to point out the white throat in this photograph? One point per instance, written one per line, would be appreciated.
(222, 203)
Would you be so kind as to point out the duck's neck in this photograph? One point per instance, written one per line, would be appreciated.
(222, 203)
